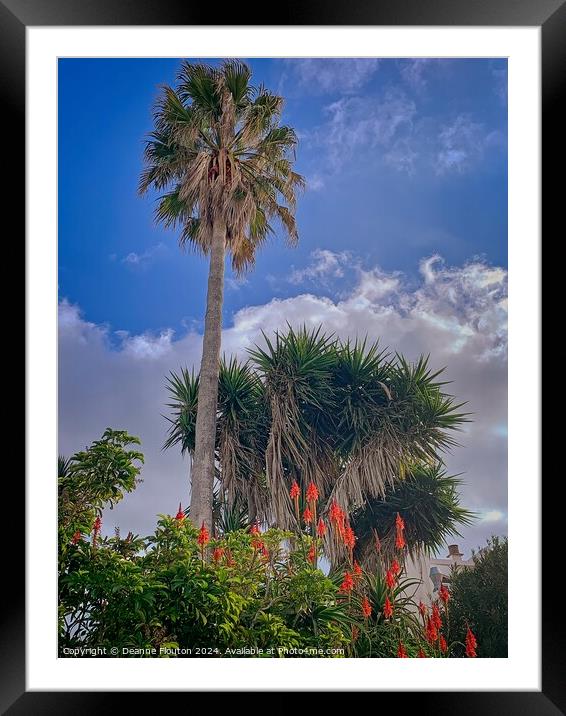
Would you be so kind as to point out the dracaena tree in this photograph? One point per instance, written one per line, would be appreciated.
(224, 163)
(365, 427)
(427, 500)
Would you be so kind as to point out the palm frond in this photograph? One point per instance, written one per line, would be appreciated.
(183, 391)
(63, 466)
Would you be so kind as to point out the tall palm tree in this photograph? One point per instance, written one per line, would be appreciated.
(225, 161)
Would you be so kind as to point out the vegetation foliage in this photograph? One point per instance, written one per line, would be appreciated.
(181, 592)
(480, 598)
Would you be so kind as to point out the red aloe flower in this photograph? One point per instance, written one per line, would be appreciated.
(76, 537)
(422, 609)
(390, 578)
(264, 551)
(357, 569)
(311, 556)
(348, 583)
(442, 644)
(366, 608)
(395, 567)
(312, 492)
(401, 653)
(180, 516)
(471, 644)
(399, 527)
(217, 554)
(400, 541)
(444, 594)
(203, 535)
(230, 561)
(254, 529)
(333, 511)
(321, 528)
(96, 530)
(431, 631)
(307, 515)
(349, 537)
(387, 608)
(436, 618)
(336, 514)
(295, 491)
(421, 654)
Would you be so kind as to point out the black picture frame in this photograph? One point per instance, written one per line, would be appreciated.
(15, 16)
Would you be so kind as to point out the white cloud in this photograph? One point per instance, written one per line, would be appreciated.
(426, 267)
(147, 345)
(374, 286)
(461, 145)
(457, 314)
(390, 127)
(235, 283)
(414, 71)
(143, 260)
(331, 75)
(315, 182)
(500, 83)
(491, 516)
(363, 123)
(402, 156)
(70, 323)
(474, 297)
(325, 264)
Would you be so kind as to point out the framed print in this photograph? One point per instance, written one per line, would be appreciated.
(282, 292)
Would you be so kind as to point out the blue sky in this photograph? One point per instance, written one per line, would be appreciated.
(403, 236)
(403, 158)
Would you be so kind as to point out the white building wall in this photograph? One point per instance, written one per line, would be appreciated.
(432, 572)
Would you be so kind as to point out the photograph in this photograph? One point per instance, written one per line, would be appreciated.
(282, 357)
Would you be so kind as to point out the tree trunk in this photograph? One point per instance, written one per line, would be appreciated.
(202, 475)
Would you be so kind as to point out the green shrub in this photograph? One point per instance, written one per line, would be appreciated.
(178, 592)
(479, 598)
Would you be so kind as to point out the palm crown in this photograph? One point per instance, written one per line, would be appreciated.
(219, 149)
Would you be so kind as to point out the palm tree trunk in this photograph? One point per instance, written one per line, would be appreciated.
(202, 475)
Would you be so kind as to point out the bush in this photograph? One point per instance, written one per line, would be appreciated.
(212, 600)
(479, 598)
(245, 594)
(180, 592)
